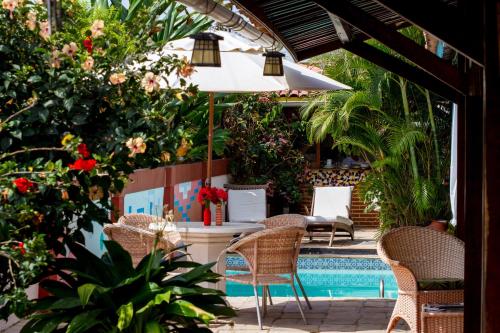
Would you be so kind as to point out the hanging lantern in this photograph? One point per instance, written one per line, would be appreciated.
(206, 49)
(273, 65)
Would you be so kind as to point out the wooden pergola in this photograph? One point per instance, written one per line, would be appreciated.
(472, 28)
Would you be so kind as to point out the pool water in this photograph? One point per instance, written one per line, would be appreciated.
(329, 277)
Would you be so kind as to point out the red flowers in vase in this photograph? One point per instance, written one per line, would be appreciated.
(213, 195)
(209, 195)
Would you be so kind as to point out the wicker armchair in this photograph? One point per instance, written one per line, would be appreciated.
(141, 221)
(282, 221)
(139, 242)
(270, 254)
(420, 257)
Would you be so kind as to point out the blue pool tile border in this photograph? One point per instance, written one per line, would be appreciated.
(326, 263)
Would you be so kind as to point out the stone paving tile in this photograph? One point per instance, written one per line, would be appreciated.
(327, 315)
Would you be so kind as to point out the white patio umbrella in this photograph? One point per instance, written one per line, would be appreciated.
(241, 71)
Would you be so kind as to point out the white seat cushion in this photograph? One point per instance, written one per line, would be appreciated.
(326, 220)
(332, 201)
(246, 205)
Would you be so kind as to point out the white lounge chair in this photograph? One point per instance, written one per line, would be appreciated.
(330, 211)
(246, 203)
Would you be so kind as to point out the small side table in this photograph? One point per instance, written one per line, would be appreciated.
(442, 318)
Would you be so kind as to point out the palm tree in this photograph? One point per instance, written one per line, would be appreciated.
(390, 123)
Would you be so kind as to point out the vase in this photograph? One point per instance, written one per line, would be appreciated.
(207, 216)
(439, 225)
(218, 214)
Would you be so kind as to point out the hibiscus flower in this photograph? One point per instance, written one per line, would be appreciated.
(83, 150)
(87, 43)
(85, 165)
(88, 64)
(97, 28)
(23, 185)
(70, 49)
(117, 78)
(10, 5)
(150, 82)
(136, 146)
(31, 21)
(44, 29)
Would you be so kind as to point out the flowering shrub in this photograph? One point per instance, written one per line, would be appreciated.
(74, 122)
(264, 149)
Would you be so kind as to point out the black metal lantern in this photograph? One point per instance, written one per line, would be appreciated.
(206, 49)
(273, 65)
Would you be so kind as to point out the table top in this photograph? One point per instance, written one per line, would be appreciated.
(225, 228)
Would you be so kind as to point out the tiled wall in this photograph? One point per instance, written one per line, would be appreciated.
(339, 177)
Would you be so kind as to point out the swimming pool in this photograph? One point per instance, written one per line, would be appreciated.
(329, 277)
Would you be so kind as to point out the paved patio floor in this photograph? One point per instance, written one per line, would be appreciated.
(327, 315)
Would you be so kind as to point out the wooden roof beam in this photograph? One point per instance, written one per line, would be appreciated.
(343, 30)
(404, 69)
(447, 27)
(424, 59)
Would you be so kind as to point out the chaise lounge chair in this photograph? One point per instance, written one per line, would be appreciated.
(330, 211)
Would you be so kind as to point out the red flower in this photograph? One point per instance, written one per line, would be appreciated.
(20, 247)
(205, 195)
(222, 195)
(83, 150)
(81, 164)
(23, 185)
(87, 43)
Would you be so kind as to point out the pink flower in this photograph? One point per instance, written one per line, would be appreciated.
(55, 61)
(70, 50)
(10, 5)
(150, 82)
(136, 146)
(44, 29)
(88, 64)
(117, 78)
(31, 21)
(97, 28)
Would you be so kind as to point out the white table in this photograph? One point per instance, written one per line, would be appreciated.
(208, 242)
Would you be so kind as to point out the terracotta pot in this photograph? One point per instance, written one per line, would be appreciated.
(207, 217)
(439, 225)
(218, 214)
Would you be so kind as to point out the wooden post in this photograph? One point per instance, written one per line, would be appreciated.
(490, 305)
(208, 181)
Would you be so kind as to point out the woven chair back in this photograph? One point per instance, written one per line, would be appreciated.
(271, 251)
(140, 220)
(428, 253)
(283, 220)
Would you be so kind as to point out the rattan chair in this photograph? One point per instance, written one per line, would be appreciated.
(418, 255)
(141, 221)
(270, 254)
(139, 242)
(282, 221)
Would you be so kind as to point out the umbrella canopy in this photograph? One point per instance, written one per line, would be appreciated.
(241, 71)
(242, 65)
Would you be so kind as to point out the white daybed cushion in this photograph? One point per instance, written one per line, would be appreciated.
(332, 201)
(325, 220)
(246, 205)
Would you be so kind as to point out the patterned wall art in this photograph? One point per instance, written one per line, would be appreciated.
(186, 207)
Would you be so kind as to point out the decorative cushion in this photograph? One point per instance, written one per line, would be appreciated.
(441, 284)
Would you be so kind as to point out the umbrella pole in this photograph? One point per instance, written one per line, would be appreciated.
(208, 181)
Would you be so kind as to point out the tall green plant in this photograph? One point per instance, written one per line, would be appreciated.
(394, 128)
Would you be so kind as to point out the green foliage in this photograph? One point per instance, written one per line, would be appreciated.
(164, 20)
(263, 147)
(398, 127)
(56, 94)
(109, 295)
